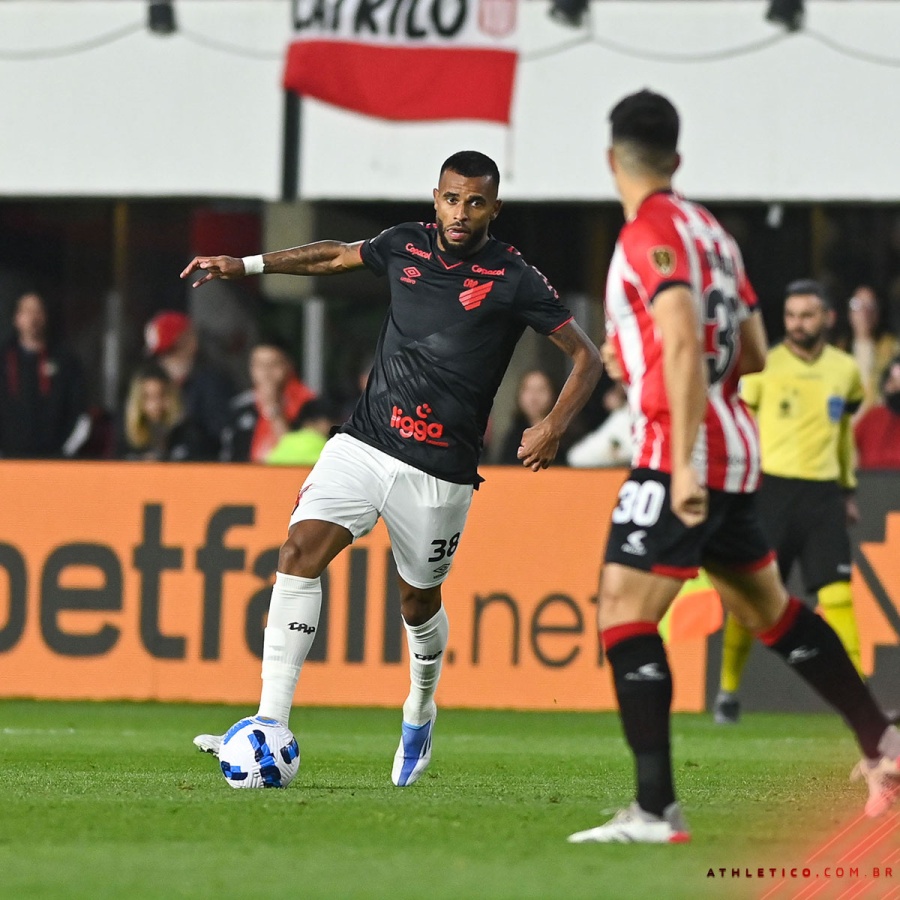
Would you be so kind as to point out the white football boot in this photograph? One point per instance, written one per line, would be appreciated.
(209, 743)
(414, 752)
(635, 826)
(883, 780)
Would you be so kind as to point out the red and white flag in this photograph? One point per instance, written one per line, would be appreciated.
(407, 60)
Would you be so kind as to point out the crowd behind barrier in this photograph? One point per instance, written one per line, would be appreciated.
(178, 405)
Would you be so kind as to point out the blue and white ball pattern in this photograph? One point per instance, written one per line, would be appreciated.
(259, 752)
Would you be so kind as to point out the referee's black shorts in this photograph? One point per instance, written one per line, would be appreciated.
(646, 534)
(806, 522)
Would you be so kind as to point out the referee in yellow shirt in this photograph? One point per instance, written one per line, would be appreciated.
(803, 401)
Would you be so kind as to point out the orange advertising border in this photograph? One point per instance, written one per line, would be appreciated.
(144, 581)
(147, 581)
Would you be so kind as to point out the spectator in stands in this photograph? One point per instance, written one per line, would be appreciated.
(611, 444)
(534, 399)
(154, 426)
(302, 447)
(43, 409)
(205, 392)
(871, 343)
(262, 416)
(878, 429)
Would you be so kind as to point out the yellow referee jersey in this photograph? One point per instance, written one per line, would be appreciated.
(803, 410)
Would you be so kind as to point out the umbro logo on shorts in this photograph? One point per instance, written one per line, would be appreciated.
(300, 494)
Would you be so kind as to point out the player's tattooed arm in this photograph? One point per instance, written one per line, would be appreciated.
(541, 442)
(320, 258)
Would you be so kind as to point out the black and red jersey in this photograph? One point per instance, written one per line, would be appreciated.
(445, 345)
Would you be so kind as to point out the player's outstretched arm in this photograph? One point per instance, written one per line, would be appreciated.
(541, 442)
(320, 258)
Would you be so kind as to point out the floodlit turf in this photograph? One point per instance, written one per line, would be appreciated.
(113, 801)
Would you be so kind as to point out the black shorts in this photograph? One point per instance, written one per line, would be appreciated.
(806, 522)
(647, 535)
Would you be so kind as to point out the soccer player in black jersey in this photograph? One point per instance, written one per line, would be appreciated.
(460, 300)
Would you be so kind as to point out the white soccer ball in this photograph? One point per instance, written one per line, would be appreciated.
(259, 752)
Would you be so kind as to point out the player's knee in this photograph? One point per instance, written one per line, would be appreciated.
(615, 605)
(294, 559)
(752, 619)
(418, 605)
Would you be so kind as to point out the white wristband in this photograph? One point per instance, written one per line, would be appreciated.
(253, 265)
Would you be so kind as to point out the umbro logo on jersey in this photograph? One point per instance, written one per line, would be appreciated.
(634, 543)
(801, 654)
(647, 672)
(475, 293)
(410, 274)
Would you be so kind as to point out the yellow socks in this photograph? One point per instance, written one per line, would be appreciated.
(736, 645)
(836, 605)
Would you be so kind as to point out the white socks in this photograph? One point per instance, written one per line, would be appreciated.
(426, 643)
(290, 630)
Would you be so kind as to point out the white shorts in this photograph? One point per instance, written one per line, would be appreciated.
(352, 484)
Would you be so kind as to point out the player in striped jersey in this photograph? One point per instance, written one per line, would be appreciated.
(682, 322)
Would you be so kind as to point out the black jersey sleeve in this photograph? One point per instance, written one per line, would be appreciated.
(537, 303)
(376, 251)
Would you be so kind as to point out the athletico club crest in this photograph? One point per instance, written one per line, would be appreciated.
(475, 292)
(497, 17)
(663, 259)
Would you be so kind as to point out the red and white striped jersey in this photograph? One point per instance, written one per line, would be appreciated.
(672, 241)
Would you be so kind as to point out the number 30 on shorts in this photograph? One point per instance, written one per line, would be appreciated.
(444, 548)
(640, 503)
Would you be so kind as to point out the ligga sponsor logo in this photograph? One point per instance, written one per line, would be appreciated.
(418, 429)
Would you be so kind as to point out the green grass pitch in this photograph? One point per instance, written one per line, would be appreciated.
(111, 800)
